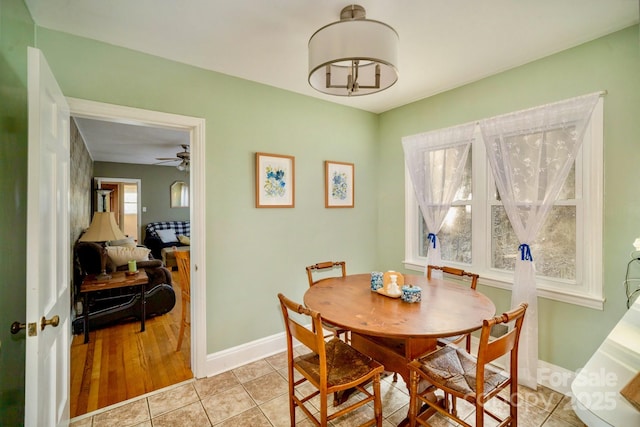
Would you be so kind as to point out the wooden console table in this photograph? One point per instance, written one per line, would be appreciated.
(118, 280)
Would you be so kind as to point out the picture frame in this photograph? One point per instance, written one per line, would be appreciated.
(339, 184)
(275, 181)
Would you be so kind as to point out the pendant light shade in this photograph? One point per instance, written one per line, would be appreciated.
(354, 56)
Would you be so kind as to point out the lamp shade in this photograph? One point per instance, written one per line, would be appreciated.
(103, 228)
(353, 56)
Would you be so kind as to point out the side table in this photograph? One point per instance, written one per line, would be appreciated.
(118, 280)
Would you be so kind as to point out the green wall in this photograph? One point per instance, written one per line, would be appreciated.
(611, 63)
(252, 254)
(16, 33)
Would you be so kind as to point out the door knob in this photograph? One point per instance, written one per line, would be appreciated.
(54, 321)
(17, 327)
(31, 328)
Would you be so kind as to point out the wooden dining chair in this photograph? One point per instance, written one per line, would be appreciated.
(184, 274)
(461, 375)
(330, 367)
(326, 270)
(474, 282)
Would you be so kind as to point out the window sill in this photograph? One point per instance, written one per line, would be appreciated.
(575, 298)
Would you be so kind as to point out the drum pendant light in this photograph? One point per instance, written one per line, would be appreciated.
(354, 56)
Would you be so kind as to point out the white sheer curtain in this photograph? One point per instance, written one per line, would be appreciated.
(436, 162)
(531, 153)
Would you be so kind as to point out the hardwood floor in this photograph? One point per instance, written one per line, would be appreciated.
(120, 362)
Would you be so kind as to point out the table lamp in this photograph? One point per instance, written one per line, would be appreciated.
(103, 229)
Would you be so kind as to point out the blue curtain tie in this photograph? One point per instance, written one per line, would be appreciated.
(432, 239)
(525, 252)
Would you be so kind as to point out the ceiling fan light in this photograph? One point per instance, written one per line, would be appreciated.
(354, 56)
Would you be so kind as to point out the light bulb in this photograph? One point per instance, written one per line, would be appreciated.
(636, 244)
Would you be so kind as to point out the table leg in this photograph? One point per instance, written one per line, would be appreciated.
(143, 303)
(86, 317)
(394, 354)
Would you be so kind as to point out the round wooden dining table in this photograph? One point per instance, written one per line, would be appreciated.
(392, 331)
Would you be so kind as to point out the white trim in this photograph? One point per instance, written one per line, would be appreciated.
(555, 377)
(234, 357)
(196, 127)
(594, 199)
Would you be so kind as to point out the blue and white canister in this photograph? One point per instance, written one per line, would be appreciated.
(411, 293)
(376, 280)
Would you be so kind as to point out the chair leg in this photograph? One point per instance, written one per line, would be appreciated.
(324, 411)
(513, 404)
(292, 405)
(182, 324)
(377, 401)
(454, 400)
(414, 402)
(480, 414)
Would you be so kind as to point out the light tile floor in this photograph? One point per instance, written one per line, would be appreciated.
(256, 395)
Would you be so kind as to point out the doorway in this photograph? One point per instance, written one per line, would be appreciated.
(195, 127)
(121, 196)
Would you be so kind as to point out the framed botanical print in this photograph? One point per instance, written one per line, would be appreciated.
(275, 181)
(339, 179)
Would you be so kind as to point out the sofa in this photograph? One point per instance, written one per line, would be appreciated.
(116, 305)
(166, 234)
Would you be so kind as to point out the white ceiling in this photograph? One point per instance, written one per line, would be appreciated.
(443, 44)
(127, 143)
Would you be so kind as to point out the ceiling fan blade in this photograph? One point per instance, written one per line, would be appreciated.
(165, 161)
(168, 158)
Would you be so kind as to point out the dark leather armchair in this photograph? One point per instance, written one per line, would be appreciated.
(112, 306)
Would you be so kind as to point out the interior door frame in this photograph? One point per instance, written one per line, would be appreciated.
(99, 180)
(196, 127)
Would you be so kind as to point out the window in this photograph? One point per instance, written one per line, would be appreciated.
(477, 235)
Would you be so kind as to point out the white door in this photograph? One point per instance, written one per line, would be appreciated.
(48, 250)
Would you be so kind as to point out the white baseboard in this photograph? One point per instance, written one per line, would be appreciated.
(231, 358)
(554, 377)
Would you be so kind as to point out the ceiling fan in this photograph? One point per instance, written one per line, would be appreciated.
(183, 157)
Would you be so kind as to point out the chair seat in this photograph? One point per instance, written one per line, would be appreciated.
(455, 369)
(344, 364)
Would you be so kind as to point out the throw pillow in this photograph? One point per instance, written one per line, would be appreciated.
(167, 236)
(121, 255)
(184, 240)
(127, 242)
